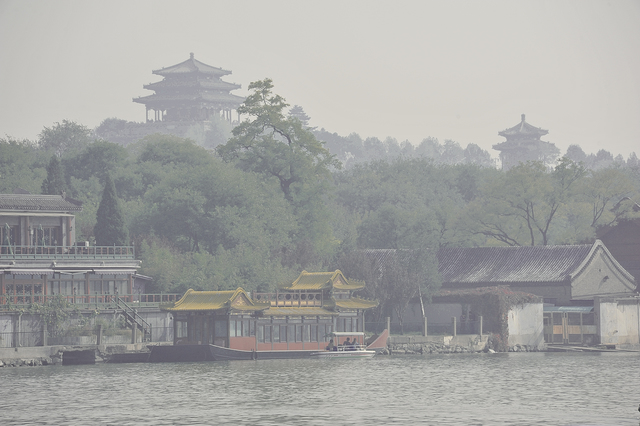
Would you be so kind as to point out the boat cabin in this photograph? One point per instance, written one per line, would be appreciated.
(300, 316)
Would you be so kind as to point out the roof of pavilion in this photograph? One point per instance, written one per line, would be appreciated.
(204, 84)
(523, 129)
(324, 280)
(191, 65)
(34, 202)
(220, 98)
(193, 300)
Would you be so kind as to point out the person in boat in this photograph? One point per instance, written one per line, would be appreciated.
(354, 344)
(346, 343)
(330, 346)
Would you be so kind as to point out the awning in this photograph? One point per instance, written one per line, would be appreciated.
(28, 271)
(23, 213)
(71, 272)
(114, 271)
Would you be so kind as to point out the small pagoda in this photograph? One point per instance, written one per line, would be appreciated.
(523, 144)
(190, 91)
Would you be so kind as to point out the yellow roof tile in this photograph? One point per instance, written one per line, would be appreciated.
(214, 300)
(324, 280)
(355, 303)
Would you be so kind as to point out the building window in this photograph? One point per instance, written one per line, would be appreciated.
(8, 237)
(46, 236)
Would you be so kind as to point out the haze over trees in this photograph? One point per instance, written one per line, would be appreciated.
(273, 200)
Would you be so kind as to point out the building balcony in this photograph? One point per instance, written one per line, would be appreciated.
(66, 252)
(290, 299)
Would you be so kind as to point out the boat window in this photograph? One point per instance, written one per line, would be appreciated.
(298, 333)
(220, 328)
(267, 334)
(232, 328)
(276, 333)
(283, 333)
(291, 336)
(314, 333)
(261, 333)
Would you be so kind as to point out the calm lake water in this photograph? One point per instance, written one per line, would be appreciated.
(474, 389)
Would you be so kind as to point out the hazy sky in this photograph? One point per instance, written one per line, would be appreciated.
(461, 70)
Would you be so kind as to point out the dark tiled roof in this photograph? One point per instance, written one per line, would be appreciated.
(221, 98)
(173, 83)
(189, 66)
(523, 129)
(32, 202)
(495, 265)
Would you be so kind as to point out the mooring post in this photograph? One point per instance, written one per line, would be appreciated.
(389, 324)
(134, 332)
(44, 334)
(480, 325)
(99, 334)
(454, 319)
(424, 326)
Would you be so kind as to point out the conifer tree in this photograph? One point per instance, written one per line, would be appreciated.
(54, 183)
(110, 227)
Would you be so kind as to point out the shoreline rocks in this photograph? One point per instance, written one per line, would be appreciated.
(439, 348)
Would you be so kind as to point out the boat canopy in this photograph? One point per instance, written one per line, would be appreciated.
(346, 333)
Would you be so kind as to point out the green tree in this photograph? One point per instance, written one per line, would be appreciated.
(64, 138)
(54, 183)
(97, 159)
(277, 146)
(110, 226)
(21, 166)
(518, 207)
(393, 277)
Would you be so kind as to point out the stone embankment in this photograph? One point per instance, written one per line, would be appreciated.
(424, 345)
(29, 362)
(53, 355)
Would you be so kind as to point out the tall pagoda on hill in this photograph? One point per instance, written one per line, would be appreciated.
(523, 144)
(190, 91)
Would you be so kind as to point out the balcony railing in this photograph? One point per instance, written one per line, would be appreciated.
(88, 301)
(289, 299)
(67, 252)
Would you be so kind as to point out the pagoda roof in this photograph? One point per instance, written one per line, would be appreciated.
(206, 84)
(523, 129)
(33, 202)
(189, 66)
(324, 280)
(193, 300)
(167, 98)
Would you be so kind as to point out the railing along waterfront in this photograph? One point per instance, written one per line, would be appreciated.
(290, 299)
(67, 252)
(88, 301)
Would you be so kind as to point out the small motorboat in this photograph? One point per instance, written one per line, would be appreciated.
(341, 345)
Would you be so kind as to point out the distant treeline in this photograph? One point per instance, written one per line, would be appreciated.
(273, 200)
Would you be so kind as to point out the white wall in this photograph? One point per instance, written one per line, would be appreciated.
(618, 321)
(526, 325)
